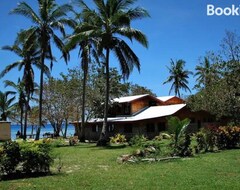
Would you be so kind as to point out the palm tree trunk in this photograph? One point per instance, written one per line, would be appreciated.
(25, 118)
(40, 95)
(21, 120)
(82, 132)
(103, 138)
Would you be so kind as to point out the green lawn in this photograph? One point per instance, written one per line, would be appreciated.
(90, 167)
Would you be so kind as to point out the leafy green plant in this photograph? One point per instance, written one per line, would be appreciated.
(118, 139)
(177, 127)
(25, 158)
(184, 147)
(9, 157)
(137, 140)
(228, 137)
(36, 157)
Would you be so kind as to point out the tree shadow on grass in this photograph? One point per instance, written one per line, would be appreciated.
(19, 175)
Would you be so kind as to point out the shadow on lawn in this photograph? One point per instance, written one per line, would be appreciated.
(18, 175)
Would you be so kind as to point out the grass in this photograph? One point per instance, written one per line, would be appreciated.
(89, 167)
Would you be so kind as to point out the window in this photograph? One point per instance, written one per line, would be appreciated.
(128, 129)
(95, 128)
(161, 126)
(150, 128)
(110, 128)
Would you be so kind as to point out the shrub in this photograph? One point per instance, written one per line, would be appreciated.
(36, 157)
(9, 157)
(118, 139)
(25, 157)
(137, 140)
(184, 147)
(228, 137)
(73, 140)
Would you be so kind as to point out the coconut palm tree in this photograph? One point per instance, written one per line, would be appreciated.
(49, 18)
(30, 54)
(87, 50)
(6, 104)
(205, 73)
(178, 77)
(112, 23)
(19, 90)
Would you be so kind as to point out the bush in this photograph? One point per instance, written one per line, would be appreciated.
(9, 157)
(184, 147)
(118, 139)
(228, 137)
(73, 140)
(25, 157)
(36, 157)
(137, 140)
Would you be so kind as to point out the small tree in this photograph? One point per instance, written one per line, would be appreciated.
(177, 127)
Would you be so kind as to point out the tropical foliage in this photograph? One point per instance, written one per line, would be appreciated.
(50, 17)
(6, 105)
(178, 77)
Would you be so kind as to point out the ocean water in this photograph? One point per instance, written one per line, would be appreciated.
(47, 128)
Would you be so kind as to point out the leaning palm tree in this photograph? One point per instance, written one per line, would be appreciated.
(178, 77)
(6, 104)
(19, 90)
(112, 23)
(50, 17)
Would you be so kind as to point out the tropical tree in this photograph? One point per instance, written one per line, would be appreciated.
(206, 72)
(30, 54)
(86, 46)
(178, 77)
(136, 89)
(49, 18)
(112, 21)
(177, 127)
(6, 104)
(19, 90)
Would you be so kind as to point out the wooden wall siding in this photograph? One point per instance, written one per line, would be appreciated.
(174, 100)
(139, 104)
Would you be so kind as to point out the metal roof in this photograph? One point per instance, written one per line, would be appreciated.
(128, 98)
(150, 113)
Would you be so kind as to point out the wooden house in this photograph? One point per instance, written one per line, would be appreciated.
(144, 114)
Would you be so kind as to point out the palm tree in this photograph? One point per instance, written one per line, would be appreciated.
(6, 104)
(178, 77)
(19, 90)
(30, 54)
(50, 17)
(86, 51)
(205, 73)
(177, 127)
(112, 21)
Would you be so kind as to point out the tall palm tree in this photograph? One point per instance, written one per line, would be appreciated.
(112, 22)
(6, 104)
(19, 90)
(30, 54)
(86, 51)
(205, 73)
(49, 18)
(178, 77)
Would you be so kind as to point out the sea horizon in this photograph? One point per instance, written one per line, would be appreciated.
(46, 129)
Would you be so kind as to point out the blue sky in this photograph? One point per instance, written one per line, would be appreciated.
(177, 29)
